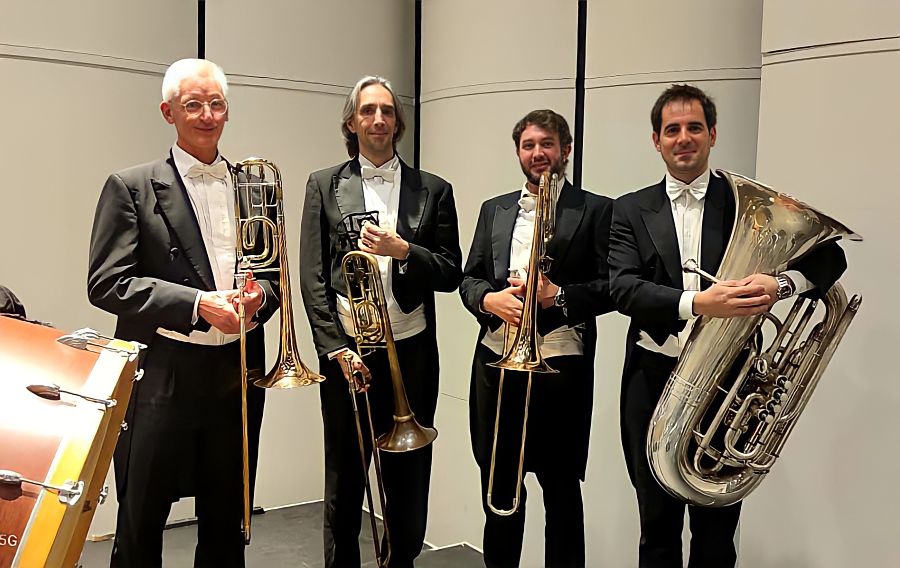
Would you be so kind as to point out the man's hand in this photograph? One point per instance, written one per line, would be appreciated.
(355, 370)
(252, 297)
(373, 239)
(507, 303)
(546, 290)
(733, 298)
(218, 308)
(767, 281)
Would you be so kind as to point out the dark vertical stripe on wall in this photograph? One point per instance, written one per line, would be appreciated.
(578, 143)
(418, 84)
(201, 29)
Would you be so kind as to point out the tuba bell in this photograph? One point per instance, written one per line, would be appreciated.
(715, 433)
(260, 248)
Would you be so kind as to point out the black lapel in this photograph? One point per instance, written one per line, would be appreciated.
(501, 234)
(413, 200)
(718, 216)
(656, 211)
(176, 207)
(348, 191)
(569, 212)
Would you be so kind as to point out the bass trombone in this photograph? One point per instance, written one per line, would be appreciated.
(372, 330)
(523, 353)
(260, 247)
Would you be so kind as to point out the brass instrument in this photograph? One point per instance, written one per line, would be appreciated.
(715, 435)
(260, 247)
(523, 352)
(372, 330)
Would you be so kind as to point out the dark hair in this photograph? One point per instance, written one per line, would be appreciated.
(684, 93)
(547, 120)
(351, 105)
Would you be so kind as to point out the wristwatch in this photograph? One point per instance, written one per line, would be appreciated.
(560, 299)
(785, 287)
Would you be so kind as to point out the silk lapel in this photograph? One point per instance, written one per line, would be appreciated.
(347, 189)
(718, 216)
(657, 214)
(569, 212)
(176, 207)
(413, 200)
(501, 236)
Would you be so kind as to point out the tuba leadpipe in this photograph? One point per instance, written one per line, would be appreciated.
(260, 247)
(715, 433)
(521, 350)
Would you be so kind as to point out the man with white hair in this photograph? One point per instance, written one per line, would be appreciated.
(162, 259)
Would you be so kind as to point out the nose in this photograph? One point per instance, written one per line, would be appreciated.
(206, 113)
(379, 118)
(683, 136)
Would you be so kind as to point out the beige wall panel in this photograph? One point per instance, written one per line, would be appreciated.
(828, 136)
(791, 24)
(160, 31)
(619, 155)
(628, 38)
(472, 42)
(319, 44)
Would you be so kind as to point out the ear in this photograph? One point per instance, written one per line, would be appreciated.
(166, 109)
(712, 137)
(655, 138)
(352, 128)
(566, 151)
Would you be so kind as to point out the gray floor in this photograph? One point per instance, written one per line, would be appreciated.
(285, 537)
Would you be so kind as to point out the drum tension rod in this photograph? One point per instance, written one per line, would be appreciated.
(53, 392)
(69, 492)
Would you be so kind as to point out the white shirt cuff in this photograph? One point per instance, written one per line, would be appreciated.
(195, 316)
(686, 305)
(334, 354)
(801, 284)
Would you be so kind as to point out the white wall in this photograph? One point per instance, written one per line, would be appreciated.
(828, 135)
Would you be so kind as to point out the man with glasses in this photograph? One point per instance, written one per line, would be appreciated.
(162, 259)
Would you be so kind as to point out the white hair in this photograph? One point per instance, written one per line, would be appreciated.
(186, 68)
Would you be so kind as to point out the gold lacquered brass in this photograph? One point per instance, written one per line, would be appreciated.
(261, 247)
(521, 351)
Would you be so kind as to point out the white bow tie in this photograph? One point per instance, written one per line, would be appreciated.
(679, 189)
(384, 173)
(527, 203)
(219, 170)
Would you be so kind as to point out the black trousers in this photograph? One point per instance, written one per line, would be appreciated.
(552, 450)
(406, 475)
(662, 516)
(183, 439)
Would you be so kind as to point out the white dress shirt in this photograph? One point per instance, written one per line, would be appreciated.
(688, 202)
(383, 196)
(561, 341)
(212, 198)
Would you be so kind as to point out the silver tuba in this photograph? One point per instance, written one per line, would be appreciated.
(715, 434)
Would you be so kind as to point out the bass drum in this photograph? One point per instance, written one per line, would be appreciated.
(65, 443)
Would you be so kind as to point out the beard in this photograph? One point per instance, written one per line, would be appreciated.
(557, 167)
